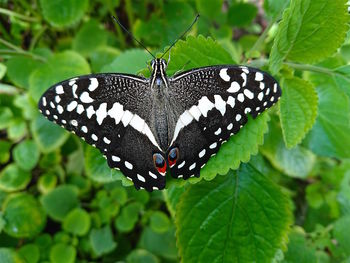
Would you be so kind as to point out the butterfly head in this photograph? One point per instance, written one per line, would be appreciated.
(159, 64)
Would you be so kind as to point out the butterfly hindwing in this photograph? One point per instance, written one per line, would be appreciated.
(109, 111)
(218, 100)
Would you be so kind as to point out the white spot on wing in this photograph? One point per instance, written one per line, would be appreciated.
(74, 88)
(230, 126)
(240, 97)
(80, 109)
(147, 131)
(261, 96)
(186, 118)
(238, 117)
(220, 104)
(101, 113)
(137, 123)
(115, 158)
(218, 131)
(181, 165)
(213, 145)
(231, 101)
(244, 76)
(201, 153)
(195, 112)
(106, 140)
(259, 76)
(127, 118)
(205, 105)
(128, 165)
(84, 129)
(90, 111)
(192, 166)
(249, 94)
(85, 97)
(223, 74)
(141, 178)
(93, 84)
(59, 109)
(44, 101)
(71, 106)
(235, 87)
(94, 137)
(59, 89)
(74, 123)
(152, 175)
(116, 112)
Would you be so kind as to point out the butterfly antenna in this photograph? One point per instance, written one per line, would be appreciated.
(129, 33)
(184, 33)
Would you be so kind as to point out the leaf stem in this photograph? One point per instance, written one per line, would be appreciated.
(23, 53)
(20, 16)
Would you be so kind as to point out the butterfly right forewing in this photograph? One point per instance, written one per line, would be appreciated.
(215, 104)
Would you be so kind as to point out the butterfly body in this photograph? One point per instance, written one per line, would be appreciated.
(145, 127)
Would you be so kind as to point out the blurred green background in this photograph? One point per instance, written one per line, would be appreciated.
(283, 189)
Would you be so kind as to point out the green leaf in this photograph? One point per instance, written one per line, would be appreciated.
(296, 162)
(63, 13)
(160, 244)
(344, 193)
(4, 151)
(298, 110)
(77, 222)
(298, 249)
(101, 241)
(47, 135)
(59, 67)
(89, 38)
(3, 70)
(141, 256)
(19, 69)
(240, 217)
(121, 64)
(47, 182)
(341, 234)
(241, 14)
(6, 117)
(8, 255)
(60, 201)
(210, 9)
(330, 136)
(17, 130)
(30, 253)
(126, 221)
(97, 169)
(26, 155)
(274, 7)
(103, 56)
(159, 222)
(13, 178)
(24, 216)
(62, 253)
(304, 26)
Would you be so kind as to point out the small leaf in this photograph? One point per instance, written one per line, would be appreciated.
(19, 69)
(211, 9)
(4, 151)
(239, 217)
(101, 241)
(160, 244)
(296, 162)
(30, 253)
(26, 155)
(126, 221)
(63, 13)
(141, 256)
(298, 110)
(8, 255)
(58, 67)
(60, 201)
(13, 178)
(24, 216)
(77, 222)
(304, 26)
(6, 117)
(121, 64)
(47, 135)
(47, 182)
(159, 222)
(299, 250)
(89, 38)
(241, 14)
(62, 253)
(17, 130)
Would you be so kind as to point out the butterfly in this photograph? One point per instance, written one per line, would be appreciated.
(148, 126)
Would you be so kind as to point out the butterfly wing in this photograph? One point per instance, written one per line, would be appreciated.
(111, 112)
(215, 102)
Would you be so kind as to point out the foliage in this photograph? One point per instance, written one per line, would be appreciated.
(278, 191)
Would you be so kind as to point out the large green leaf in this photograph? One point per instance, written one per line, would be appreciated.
(13, 178)
(24, 216)
(240, 217)
(330, 136)
(77, 222)
(59, 67)
(305, 26)
(62, 253)
(26, 154)
(8, 255)
(101, 240)
(61, 13)
(241, 14)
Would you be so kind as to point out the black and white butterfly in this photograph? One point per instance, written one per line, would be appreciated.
(145, 127)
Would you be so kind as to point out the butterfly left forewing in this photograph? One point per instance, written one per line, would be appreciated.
(108, 112)
(218, 101)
